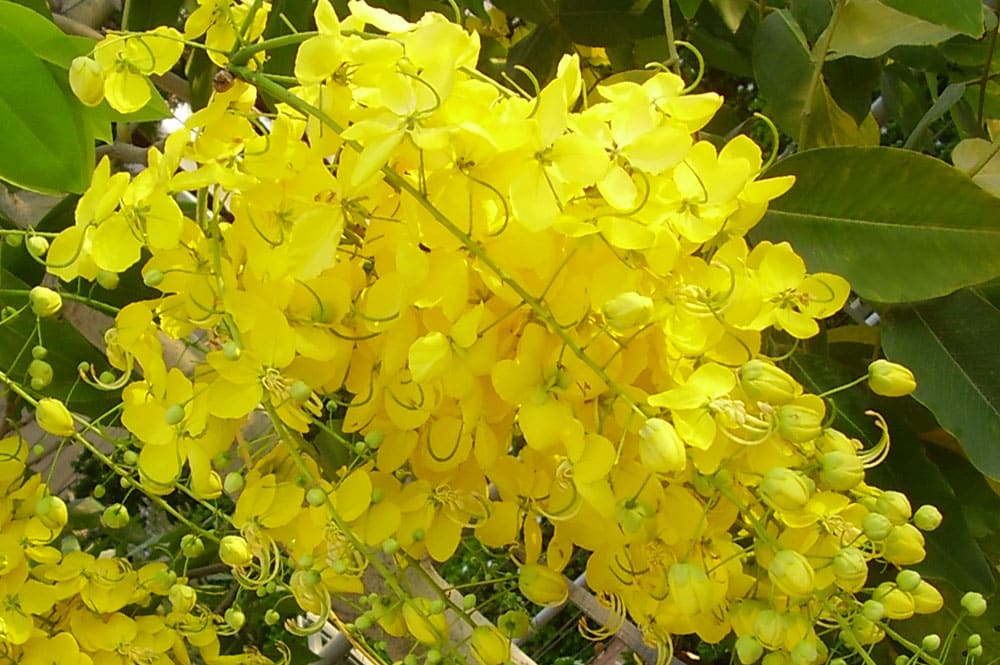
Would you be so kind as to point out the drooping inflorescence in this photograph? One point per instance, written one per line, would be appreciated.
(531, 319)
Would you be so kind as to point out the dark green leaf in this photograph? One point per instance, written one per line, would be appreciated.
(540, 52)
(900, 226)
(536, 11)
(812, 15)
(139, 15)
(945, 343)
(948, 98)
(42, 147)
(300, 14)
(782, 67)
(689, 8)
(721, 53)
(868, 29)
(601, 23)
(731, 12)
(964, 16)
(852, 82)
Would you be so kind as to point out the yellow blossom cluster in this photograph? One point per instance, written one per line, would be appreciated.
(532, 319)
(59, 604)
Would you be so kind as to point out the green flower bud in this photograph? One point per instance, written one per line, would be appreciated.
(99, 491)
(841, 471)
(515, 624)
(898, 604)
(233, 482)
(316, 496)
(627, 310)
(805, 653)
(41, 370)
(115, 516)
(974, 604)
(44, 301)
(300, 391)
(374, 438)
(390, 546)
(890, 379)
(108, 280)
(271, 617)
(38, 352)
(152, 277)
(876, 526)
(931, 642)
(770, 628)
(792, 573)
(37, 384)
(364, 622)
(174, 414)
(53, 417)
(231, 351)
(800, 423)
(192, 546)
(468, 601)
(974, 641)
(895, 506)
(235, 551)
(86, 80)
(235, 618)
(130, 457)
(904, 546)
(927, 518)
(37, 246)
(182, 598)
(785, 489)
(542, 585)
(764, 382)
(863, 632)
(926, 598)
(13, 238)
(850, 569)
(748, 649)
(873, 610)
(908, 580)
(661, 449)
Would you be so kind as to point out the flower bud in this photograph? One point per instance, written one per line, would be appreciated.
(235, 618)
(86, 79)
(44, 301)
(660, 447)
(53, 417)
(890, 379)
(863, 632)
(895, 506)
(784, 489)
(192, 546)
(841, 471)
(805, 653)
(898, 604)
(748, 649)
(37, 246)
(908, 580)
(791, 572)
(974, 604)
(764, 382)
(873, 610)
(182, 598)
(542, 585)
(973, 641)
(799, 423)
(489, 646)
(927, 518)
(876, 526)
(235, 551)
(52, 512)
(850, 569)
(108, 280)
(426, 626)
(904, 546)
(41, 370)
(627, 310)
(770, 628)
(115, 516)
(926, 598)
(931, 642)
(690, 588)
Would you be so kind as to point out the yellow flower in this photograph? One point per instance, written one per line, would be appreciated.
(129, 60)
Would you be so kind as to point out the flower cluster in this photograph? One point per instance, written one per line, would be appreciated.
(533, 319)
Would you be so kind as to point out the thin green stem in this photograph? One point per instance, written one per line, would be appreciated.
(834, 391)
(819, 59)
(96, 304)
(243, 55)
(674, 61)
(981, 106)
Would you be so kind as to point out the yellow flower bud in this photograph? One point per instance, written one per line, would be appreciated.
(764, 382)
(53, 417)
(927, 518)
(770, 628)
(627, 310)
(895, 506)
(890, 379)
(542, 585)
(182, 598)
(926, 598)
(661, 449)
(691, 589)
(841, 471)
(876, 526)
(86, 79)
(898, 604)
(904, 545)
(785, 489)
(800, 423)
(235, 551)
(489, 646)
(850, 569)
(44, 301)
(792, 573)
(748, 649)
(52, 512)
(864, 631)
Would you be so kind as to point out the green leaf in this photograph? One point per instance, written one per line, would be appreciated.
(601, 23)
(948, 98)
(689, 8)
(852, 82)
(829, 125)
(42, 36)
(540, 52)
(812, 15)
(38, 6)
(946, 345)
(140, 15)
(66, 346)
(868, 29)
(300, 14)
(731, 12)
(536, 11)
(42, 149)
(900, 226)
(965, 16)
(782, 67)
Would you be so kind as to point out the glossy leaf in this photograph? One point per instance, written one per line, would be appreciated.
(965, 16)
(139, 15)
(900, 226)
(42, 147)
(868, 29)
(950, 346)
(782, 67)
(41, 35)
(689, 7)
